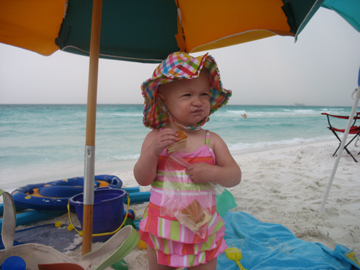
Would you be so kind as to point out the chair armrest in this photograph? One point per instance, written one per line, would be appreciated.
(356, 117)
(336, 116)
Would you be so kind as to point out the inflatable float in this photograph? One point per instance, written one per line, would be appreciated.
(54, 195)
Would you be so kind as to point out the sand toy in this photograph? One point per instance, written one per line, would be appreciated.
(234, 254)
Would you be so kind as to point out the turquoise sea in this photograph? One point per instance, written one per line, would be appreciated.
(40, 143)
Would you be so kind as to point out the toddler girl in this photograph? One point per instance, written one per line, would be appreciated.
(181, 95)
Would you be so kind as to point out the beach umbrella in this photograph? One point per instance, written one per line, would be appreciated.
(149, 30)
(356, 96)
(142, 31)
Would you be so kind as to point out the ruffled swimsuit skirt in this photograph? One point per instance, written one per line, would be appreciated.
(176, 245)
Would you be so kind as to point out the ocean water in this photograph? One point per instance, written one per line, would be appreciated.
(40, 143)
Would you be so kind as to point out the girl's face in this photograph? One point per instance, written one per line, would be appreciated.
(188, 101)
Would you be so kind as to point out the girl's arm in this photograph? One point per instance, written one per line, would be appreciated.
(155, 142)
(226, 172)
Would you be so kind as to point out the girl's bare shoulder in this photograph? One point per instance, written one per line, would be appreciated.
(149, 137)
(214, 136)
(216, 140)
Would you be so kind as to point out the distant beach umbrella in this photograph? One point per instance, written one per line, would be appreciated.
(141, 31)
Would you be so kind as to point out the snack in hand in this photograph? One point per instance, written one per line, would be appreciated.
(181, 143)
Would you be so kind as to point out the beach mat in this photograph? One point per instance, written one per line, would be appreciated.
(33, 216)
(269, 246)
(57, 237)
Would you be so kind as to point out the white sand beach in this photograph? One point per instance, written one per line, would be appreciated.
(285, 186)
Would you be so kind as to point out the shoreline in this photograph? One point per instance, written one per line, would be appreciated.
(124, 168)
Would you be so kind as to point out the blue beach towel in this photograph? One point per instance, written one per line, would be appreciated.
(59, 238)
(269, 246)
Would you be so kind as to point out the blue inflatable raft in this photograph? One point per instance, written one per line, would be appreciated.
(54, 195)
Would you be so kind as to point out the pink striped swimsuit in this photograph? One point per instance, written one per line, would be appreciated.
(175, 244)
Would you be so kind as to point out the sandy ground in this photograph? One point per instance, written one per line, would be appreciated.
(286, 186)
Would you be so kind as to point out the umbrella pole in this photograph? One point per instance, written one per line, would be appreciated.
(89, 174)
(341, 149)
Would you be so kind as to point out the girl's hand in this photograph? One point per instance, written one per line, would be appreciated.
(162, 139)
(200, 172)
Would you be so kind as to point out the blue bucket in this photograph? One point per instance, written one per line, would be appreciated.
(108, 211)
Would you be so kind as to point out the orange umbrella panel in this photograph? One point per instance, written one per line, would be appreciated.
(32, 25)
(217, 24)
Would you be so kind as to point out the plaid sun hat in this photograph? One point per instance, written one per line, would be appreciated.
(177, 66)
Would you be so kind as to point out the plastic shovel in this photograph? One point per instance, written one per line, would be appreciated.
(234, 254)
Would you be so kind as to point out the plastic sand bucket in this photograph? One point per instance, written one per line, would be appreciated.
(108, 211)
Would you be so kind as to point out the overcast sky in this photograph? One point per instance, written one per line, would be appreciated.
(321, 68)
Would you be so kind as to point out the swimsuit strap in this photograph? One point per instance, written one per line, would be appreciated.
(207, 137)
